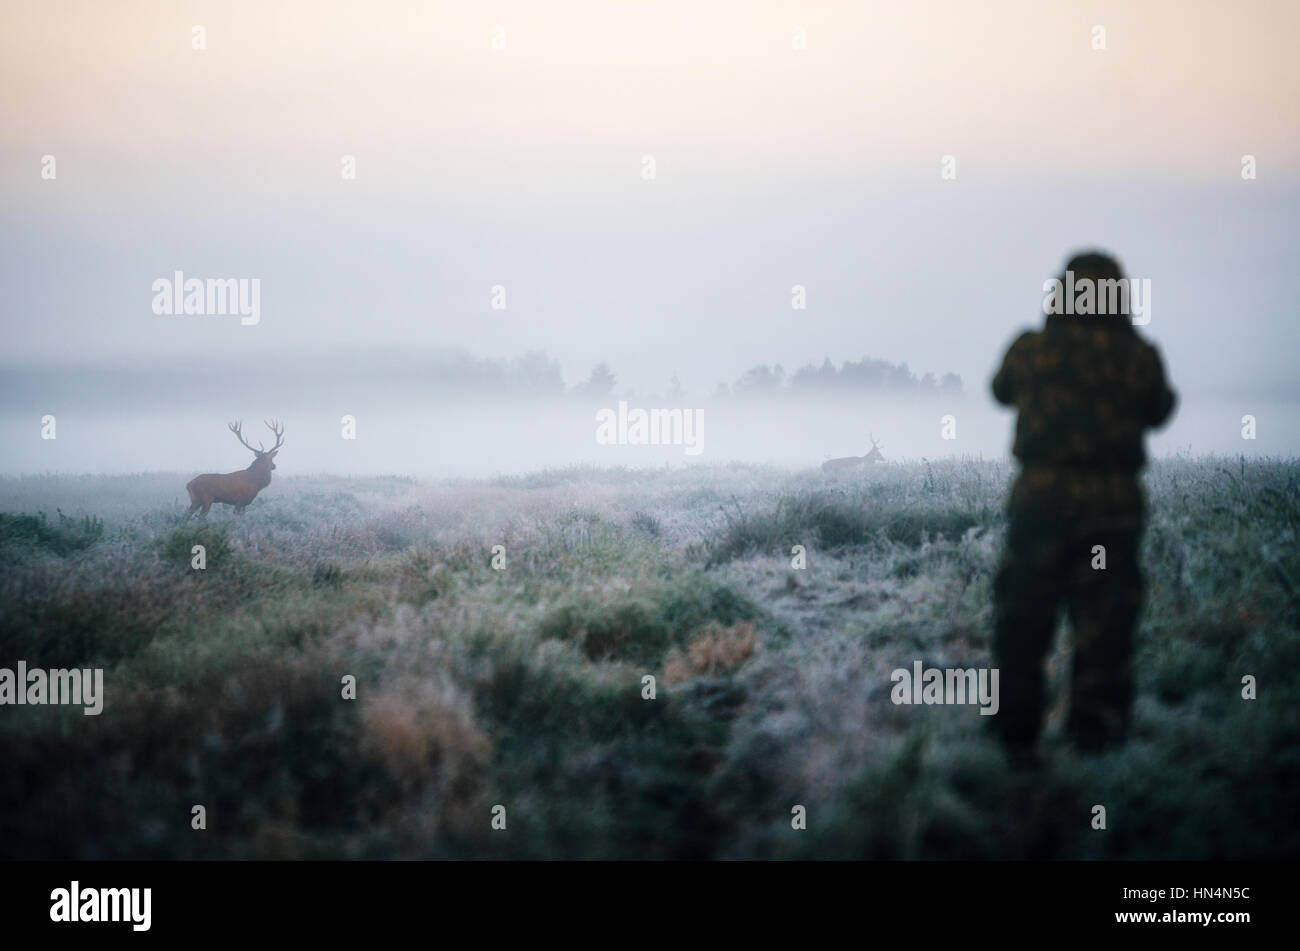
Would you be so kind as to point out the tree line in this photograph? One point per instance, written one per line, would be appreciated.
(537, 374)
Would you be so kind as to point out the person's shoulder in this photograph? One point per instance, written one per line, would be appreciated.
(1025, 341)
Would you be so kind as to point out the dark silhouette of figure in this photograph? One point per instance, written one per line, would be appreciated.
(1086, 388)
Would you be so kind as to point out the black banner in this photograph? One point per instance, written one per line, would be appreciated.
(332, 901)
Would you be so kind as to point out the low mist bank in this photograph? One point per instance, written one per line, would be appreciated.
(483, 437)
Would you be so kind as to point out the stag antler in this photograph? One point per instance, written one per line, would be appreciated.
(277, 428)
(235, 428)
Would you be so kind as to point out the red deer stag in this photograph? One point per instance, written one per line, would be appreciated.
(852, 462)
(236, 488)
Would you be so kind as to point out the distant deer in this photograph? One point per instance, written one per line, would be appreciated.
(236, 488)
(852, 462)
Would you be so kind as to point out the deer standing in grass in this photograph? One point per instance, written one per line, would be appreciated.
(236, 488)
(852, 462)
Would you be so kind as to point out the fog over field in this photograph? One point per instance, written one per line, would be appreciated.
(413, 415)
(940, 282)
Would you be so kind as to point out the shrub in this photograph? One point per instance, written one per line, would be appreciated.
(717, 650)
(64, 537)
(177, 547)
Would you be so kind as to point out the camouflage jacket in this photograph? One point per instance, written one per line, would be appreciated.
(1086, 390)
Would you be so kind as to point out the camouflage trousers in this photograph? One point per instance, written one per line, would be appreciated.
(1056, 520)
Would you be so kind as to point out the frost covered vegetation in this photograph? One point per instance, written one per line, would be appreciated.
(522, 687)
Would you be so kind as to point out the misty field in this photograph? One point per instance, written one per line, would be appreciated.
(522, 687)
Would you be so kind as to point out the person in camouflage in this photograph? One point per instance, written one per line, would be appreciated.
(1086, 388)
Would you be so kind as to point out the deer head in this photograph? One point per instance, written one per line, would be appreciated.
(874, 455)
(262, 457)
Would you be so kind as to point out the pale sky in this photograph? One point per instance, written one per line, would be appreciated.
(522, 167)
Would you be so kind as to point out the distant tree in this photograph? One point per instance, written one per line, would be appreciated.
(675, 392)
(900, 377)
(535, 372)
(865, 375)
(809, 378)
(601, 382)
(761, 379)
